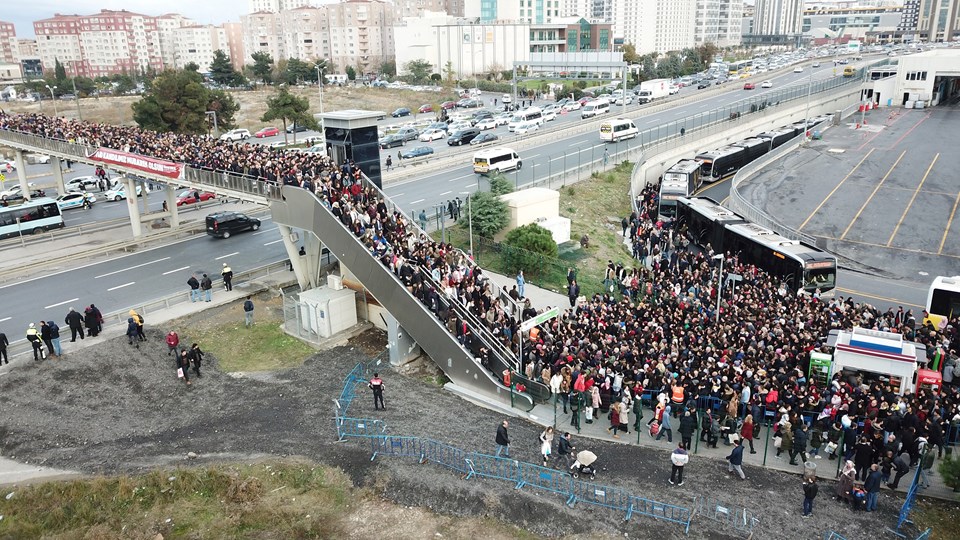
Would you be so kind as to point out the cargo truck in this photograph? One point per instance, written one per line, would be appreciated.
(653, 89)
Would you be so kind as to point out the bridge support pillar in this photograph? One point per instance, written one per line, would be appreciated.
(306, 266)
(170, 196)
(135, 222)
(57, 167)
(403, 349)
(22, 173)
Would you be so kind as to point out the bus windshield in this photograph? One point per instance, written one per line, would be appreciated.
(944, 302)
(824, 279)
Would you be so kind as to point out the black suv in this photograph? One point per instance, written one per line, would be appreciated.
(224, 224)
(464, 136)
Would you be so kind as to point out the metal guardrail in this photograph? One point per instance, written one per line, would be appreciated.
(119, 317)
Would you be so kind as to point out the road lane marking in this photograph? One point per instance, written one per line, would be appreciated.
(395, 195)
(5, 319)
(177, 270)
(61, 303)
(445, 193)
(558, 157)
(459, 178)
(913, 198)
(273, 242)
(945, 231)
(227, 255)
(266, 231)
(418, 201)
(875, 190)
(121, 286)
(533, 156)
(834, 190)
(130, 268)
(868, 295)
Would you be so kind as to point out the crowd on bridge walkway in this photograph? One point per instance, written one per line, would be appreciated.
(653, 331)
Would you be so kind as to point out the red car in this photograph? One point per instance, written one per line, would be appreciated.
(749, 86)
(267, 132)
(584, 100)
(425, 108)
(189, 197)
(448, 105)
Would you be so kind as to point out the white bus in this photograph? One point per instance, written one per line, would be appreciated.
(31, 217)
(496, 159)
(532, 114)
(618, 129)
(943, 300)
(595, 107)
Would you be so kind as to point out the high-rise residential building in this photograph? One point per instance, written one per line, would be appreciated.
(656, 25)
(909, 17)
(108, 42)
(167, 26)
(306, 32)
(262, 33)
(605, 10)
(197, 44)
(939, 20)
(9, 51)
(530, 11)
(577, 8)
(718, 22)
(275, 6)
(416, 8)
(28, 48)
(361, 34)
(234, 31)
(778, 17)
(857, 22)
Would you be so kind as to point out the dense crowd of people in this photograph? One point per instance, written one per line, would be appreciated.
(653, 332)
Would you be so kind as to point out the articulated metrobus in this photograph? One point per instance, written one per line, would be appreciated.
(943, 300)
(739, 68)
(32, 217)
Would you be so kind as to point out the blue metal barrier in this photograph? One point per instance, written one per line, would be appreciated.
(450, 457)
(544, 478)
(833, 535)
(739, 518)
(708, 402)
(396, 446)
(486, 466)
(359, 427)
(598, 495)
(662, 511)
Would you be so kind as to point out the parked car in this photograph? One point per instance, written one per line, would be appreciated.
(526, 127)
(463, 136)
(432, 134)
(703, 84)
(425, 108)
(74, 199)
(119, 192)
(267, 132)
(81, 183)
(484, 138)
(416, 152)
(236, 135)
(470, 103)
(224, 224)
(766, 84)
(486, 123)
(391, 140)
(296, 128)
(571, 106)
(798, 69)
(189, 196)
(448, 105)
(68, 97)
(503, 119)
(402, 111)
(408, 133)
(507, 99)
(749, 86)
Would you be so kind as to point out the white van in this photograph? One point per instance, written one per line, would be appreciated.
(496, 159)
(532, 114)
(618, 129)
(595, 107)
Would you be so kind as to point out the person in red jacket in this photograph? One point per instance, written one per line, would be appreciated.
(376, 384)
(173, 340)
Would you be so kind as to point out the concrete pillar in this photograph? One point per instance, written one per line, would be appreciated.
(21, 165)
(403, 349)
(307, 267)
(170, 195)
(143, 190)
(131, 188)
(56, 164)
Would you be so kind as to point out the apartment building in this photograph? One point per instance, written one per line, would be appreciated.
(167, 26)
(656, 25)
(234, 31)
(416, 8)
(939, 20)
(306, 33)
(9, 51)
(275, 6)
(778, 17)
(528, 11)
(361, 34)
(196, 44)
(262, 33)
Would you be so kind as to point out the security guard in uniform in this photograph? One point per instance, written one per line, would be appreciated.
(227, 274)
(33, 336)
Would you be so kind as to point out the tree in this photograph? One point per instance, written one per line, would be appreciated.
(489, 214)
(494, 72)
(192, 66)
(351, 73)
(297, 71)
(177, 101)
(448, 72)
(225, 106)
(419, 70)
(630, 55)
(534, 243)
(389, 68)
(499, 185)
(59, 72)
(122, 83)
(287, 107)
(262, 66)
(222, 72)
(950, 471)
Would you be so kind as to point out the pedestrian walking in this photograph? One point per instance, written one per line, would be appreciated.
(665, 426)
(503, 439)
(678, 458)
(227, 274)
(206, 285)
(196, 357)
(810, 490)
(799, 447)
(4, 343)
(423, 219)
(45, 336)
(546, 444)
(183, 367)
(173, 342)
(845, 482)
(33, 336)
(872, 487)
(606, 157)
(521, 284)
(902, 466)
(746, 431)
(376, 384)
(138, 319)
(248, 312)
(573, 292)
(735, 460)
(688, 425)
(93, 320)
(194, 285)
(566, 450)
(132, 331)
(75, 321)
(389, 161)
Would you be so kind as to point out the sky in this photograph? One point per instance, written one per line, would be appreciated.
(24, 12)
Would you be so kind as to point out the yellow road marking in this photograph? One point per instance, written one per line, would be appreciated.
(824, 201)
(894, 300)
(949, 224)
(905, 250)
(913, 198)
(875, 190)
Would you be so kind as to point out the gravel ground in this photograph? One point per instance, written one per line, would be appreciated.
(112, 408)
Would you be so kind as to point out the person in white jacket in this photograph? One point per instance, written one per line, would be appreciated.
(678, 458)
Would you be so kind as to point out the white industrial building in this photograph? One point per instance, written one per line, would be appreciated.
(921, 80)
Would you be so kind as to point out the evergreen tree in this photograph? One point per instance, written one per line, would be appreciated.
(262, 66)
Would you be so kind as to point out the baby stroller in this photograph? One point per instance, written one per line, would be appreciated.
(584, 465)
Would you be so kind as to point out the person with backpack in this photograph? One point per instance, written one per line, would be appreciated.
(206, 285)
(194, 288)
(138, 319)
(55, 338)
(248, 312)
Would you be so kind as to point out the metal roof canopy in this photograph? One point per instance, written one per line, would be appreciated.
(350, 119)
(572, 62)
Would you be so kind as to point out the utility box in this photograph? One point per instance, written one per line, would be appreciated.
(327, 312)
(820, 368)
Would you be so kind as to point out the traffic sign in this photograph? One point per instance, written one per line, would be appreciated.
(540, 319)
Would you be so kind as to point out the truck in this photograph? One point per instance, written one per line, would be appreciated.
(875, 356)
(653, 89)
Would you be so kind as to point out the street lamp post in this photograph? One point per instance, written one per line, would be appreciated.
(806, 116)
(216, 128)
(320, 86)
(719, 257)
(76, 97)
(54, 99)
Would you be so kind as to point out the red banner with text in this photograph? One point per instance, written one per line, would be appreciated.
(146, 164)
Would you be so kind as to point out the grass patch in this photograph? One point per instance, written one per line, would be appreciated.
(263, 347)
(263, 500)
(941, 516)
